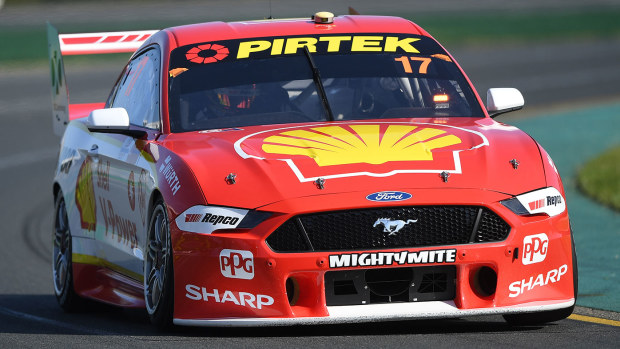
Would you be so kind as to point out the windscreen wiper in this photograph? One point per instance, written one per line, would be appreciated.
(319, 85)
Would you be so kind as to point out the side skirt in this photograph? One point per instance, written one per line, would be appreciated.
(107, 286)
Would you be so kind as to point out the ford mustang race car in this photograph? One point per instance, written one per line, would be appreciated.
(304, 171)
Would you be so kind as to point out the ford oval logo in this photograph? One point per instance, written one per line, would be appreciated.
(389, 196)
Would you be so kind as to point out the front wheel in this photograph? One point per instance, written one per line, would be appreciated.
(158, 272)
(62, 266)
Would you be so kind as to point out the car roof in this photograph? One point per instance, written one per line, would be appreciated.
(212, 31)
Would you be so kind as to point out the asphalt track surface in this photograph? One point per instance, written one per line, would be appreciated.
(550, 76)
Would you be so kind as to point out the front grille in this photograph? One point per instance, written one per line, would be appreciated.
(388, 227)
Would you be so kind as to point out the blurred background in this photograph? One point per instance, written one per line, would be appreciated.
(564, 56)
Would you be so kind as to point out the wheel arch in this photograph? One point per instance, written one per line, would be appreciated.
(154, 197)
(55, 190)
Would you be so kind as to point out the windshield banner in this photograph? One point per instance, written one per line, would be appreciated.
(220, 51)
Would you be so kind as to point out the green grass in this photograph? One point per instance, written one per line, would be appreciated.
(26, 44)
(521, 27)
(599, 178)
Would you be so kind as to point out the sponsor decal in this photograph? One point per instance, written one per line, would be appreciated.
(115, 225)
(236, 264)
(547, 200)
(131, 191)
(216, 219)
(170, 175)
(221, 130)
(517, 288)
(193, 217)
(391, 258)
(353, 43)
(142, 195)
(65, 166)
(207, 53)
(57, 74)
(85, 196)
(413, 46)
(362, 149)
(207, 219)
(392, 226)
(103, 175)
(59, 87)
(535, 248)
(536, 204)
(384, 196)
(360, 144)
(67, 155)
(243, 299)
(257, 48)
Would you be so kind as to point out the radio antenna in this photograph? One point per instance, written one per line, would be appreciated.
(270, 17)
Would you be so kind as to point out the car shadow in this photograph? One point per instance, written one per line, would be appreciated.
(40, 314)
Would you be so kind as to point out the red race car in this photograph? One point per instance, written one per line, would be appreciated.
(324, 170)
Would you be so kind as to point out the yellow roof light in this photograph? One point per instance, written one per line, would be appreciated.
(323, 17)
(440, 98)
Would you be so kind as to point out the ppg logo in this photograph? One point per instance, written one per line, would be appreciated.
(237, 264)
(535, 248)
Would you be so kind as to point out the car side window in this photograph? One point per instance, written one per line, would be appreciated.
(138, 90)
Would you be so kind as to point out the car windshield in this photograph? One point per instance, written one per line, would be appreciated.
(266, 81)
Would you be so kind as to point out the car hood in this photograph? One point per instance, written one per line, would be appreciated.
(279, 162)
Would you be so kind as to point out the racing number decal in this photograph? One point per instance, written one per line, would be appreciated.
(425, 61)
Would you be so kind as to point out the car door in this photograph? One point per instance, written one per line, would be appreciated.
(121, 172)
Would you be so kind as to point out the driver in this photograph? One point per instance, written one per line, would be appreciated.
(228, 101)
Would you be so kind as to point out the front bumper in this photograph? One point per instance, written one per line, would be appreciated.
(379, 313)
(236, 279)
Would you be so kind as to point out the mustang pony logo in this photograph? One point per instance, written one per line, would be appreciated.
(393, 227)
(380, 149)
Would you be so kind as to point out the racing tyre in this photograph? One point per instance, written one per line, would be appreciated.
(62, 266)
(158, 272)
(548, 316)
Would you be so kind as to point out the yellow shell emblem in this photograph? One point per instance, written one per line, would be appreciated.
(85, 196)
(337, 145)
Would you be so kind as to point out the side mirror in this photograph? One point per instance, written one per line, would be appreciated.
(112, 120)
(503, 100)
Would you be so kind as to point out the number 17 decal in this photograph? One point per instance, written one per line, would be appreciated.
(424, 62)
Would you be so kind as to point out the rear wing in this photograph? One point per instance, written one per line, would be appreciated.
(82, 44)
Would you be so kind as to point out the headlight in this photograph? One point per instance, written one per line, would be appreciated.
(206, 219)
(542, 201)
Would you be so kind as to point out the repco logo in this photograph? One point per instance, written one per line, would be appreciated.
(535, 248)
(237, 264)
(216, 219)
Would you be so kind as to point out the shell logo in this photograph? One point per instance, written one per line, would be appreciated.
(379, 149)
(85, 196)
(207, 53)
(337, 145)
